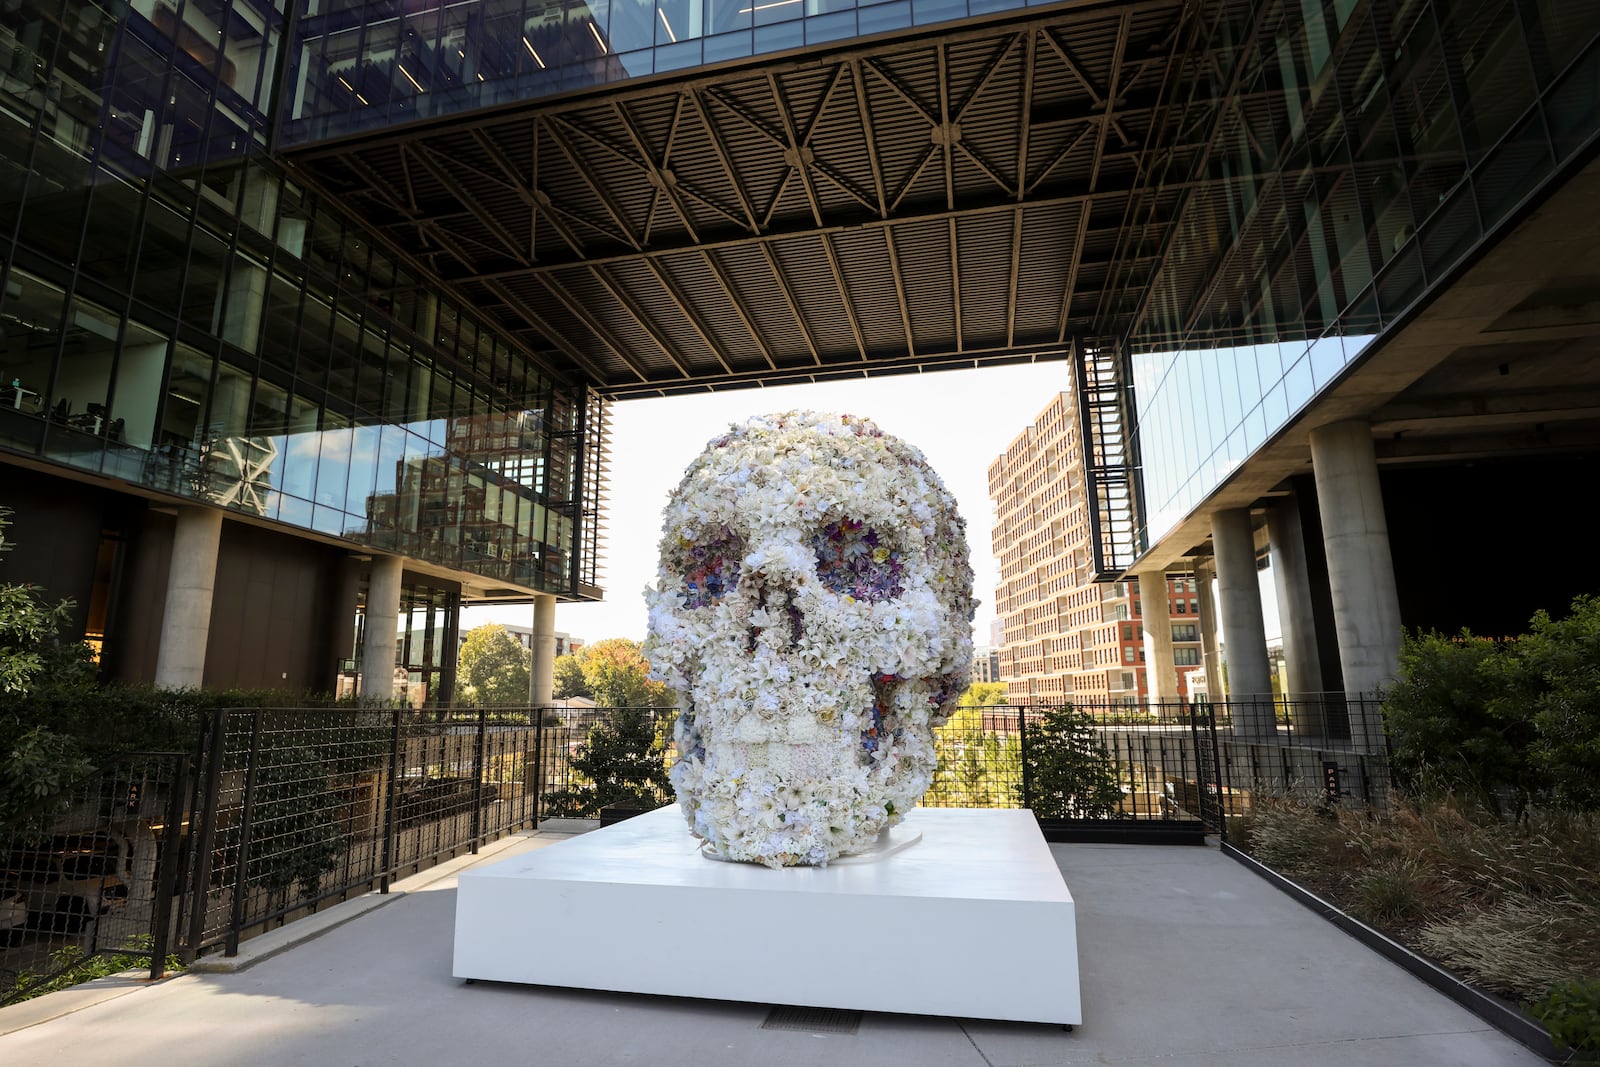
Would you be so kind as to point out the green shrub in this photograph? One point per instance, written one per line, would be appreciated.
(1517, 721)
(1561, 672)
(1450, 727)
(1571, 1012)
(1070, 773)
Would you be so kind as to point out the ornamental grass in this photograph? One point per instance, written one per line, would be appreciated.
(1510, 906)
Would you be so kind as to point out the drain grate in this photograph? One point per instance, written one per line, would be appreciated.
(813, 1020)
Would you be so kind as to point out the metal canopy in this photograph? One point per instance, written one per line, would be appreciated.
(968, 197)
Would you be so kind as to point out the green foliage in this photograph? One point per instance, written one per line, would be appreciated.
(1571, 1012)
(28, 628)
(977, 767)
(983, 695)
(1561, 665)
(36, 762)
(1520, 718)
(69, 967)
(36, 767)
(493, 667)
(1072, 775)
(622, 763)
(294, 840)
(568, 679)
(1447, 722)
(618, 676)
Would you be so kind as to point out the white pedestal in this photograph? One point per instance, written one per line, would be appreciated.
(974, 921)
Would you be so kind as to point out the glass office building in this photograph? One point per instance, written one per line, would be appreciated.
(184, 322)
(363, 276)
(1372, 150)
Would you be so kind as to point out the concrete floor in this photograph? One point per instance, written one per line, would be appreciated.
(1185, 958)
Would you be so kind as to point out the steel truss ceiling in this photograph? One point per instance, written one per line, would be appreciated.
(967, 197)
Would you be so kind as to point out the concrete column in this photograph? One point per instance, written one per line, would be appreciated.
(1366, 608)
(1205, 571)
(1161, 677)
(1243, 629)
(541, 684)
(1295, 612)
(186, 618)
(1302, 666)
(379, 633)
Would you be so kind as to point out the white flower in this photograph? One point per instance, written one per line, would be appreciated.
(830, 605)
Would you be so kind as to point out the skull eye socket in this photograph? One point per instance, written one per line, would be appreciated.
(854, 561)
(711, 569)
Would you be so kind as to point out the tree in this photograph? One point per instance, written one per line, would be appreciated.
(30, 646)
(568, 679)
(618, 676)
(36, 763)
(976, 762)
(1563, 658)
(983, 695)
(624, 762)
(493, 667)
(1072, 776)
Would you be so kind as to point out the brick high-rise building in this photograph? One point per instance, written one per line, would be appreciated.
(1068, 637)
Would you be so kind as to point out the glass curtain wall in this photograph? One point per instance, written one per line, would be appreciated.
(1372, 146)
(358, 65)
(177, 314)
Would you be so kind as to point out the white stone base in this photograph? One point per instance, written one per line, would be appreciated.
(974, 921)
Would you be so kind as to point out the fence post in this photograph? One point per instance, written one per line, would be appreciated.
(241, 880)
(477, 780)
(1022, 747)
(388, 801)
(167, 873)
(538, 764)
(1221, 773)
(207, 803)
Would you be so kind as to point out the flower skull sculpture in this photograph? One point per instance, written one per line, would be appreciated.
(813, 611)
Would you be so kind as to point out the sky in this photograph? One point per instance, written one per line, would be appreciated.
(961, 420)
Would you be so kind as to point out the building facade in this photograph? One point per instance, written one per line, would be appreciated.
(233, 419)
(312, 311)
(1070, 637)
(1370, 358)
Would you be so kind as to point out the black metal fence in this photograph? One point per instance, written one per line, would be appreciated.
(98, 874)
(1171, 763)
(281, 811)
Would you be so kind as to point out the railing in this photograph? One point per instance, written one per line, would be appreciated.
(96, 874)
(281, 811)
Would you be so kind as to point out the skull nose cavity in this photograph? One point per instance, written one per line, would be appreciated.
(779, 611)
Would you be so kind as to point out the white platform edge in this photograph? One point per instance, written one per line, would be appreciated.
(975, 921)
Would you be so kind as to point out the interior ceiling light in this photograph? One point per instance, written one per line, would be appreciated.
(529, 45)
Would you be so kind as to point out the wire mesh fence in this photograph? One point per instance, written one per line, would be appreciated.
(96, 874)
(281, 811)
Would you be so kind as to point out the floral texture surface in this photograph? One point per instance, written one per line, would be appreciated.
(813, 611)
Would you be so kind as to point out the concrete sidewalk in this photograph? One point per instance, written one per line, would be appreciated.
(1185, 958)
